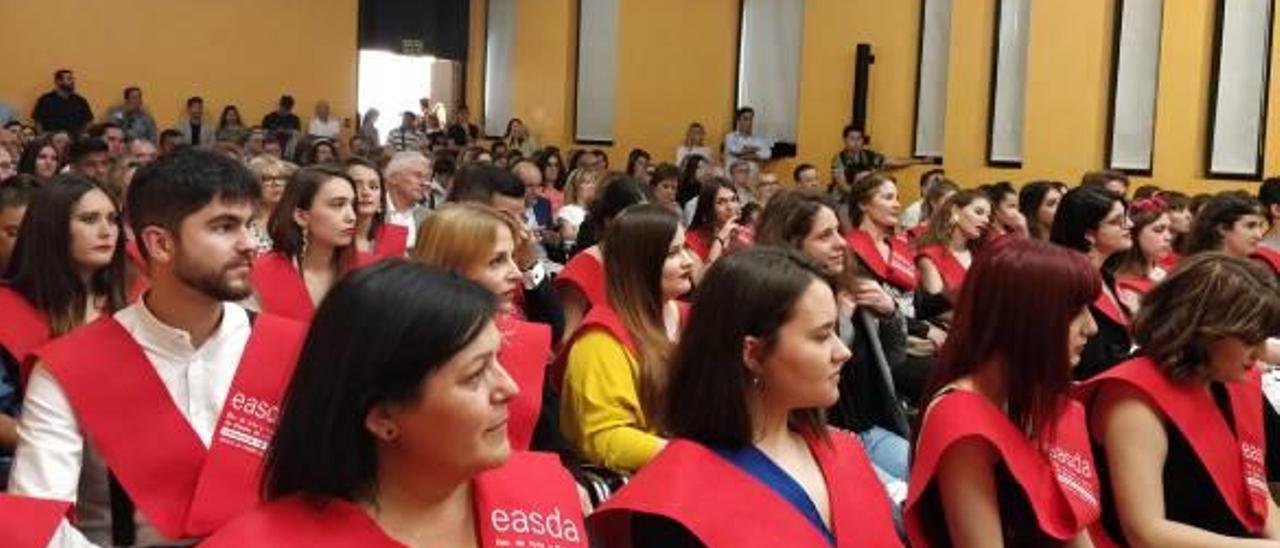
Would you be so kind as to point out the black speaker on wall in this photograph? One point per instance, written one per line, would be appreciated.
(863, 60)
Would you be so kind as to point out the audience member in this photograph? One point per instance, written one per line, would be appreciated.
(62, 109)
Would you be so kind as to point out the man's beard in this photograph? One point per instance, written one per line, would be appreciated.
(67, 88)
(214, 284)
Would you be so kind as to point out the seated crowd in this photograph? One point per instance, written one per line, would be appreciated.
(270, 336)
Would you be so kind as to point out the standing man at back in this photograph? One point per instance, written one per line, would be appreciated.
(154, 420)
(62, 108)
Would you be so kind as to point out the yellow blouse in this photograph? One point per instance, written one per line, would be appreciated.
(600, 412)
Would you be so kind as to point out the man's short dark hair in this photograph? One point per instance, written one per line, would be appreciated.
(286, 101)
(99, 130)
(84, 147)
(131, 89)
(795, 174)
(844, 134)
(179, 183)
(195, 100)
(60, 72)
(18, 190)
(1269, 195)
(663, 172)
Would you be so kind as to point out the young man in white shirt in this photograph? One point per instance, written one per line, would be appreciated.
(154, 421)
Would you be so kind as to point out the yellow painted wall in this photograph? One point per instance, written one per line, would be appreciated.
(244, 52)
(676, 64)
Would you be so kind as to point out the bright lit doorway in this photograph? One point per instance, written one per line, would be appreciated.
(394, 83)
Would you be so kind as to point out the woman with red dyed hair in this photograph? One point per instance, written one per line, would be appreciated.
(1002, 452)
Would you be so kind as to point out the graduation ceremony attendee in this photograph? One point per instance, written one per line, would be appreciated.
(1182, 433)
(479, 243)
(373, 233)
(1038, 202)
(617, 360)
(163, 443)
(67, 269)
(394, 429)
(1232, 223)
(946, 250)
(312, 243)
(1002, 457)
(714, 230)
(752, 462)
(1094, 221)
(1141, 267)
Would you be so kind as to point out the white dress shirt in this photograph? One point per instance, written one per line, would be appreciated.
(735, 143)
(321, 128)
(53, 460)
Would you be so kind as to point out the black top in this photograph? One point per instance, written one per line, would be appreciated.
(275, 121)
(461, 135)
(1018, 522)
(54, 112)
(1190, 496)
(1110, 346)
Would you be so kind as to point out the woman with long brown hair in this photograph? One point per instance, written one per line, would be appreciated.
(955, 230)
(617, 360)
(1141, 268)
(373, 233)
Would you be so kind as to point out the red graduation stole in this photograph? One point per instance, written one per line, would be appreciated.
(529, 501)
(725, 506)
(601, 316)
(951, 269)
(281, 290)
(22, 330)
(526, 349)
(1108, 306)
(1269, 256)
(1170, 261)
(1060, 480)
(697, 243)
(585, 273)
(184, 489)
(391, 241)
(898, 270)
(1237, 462)
(27, 522)
(1136, 285)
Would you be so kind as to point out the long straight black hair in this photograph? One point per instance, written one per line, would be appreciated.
(41, 269)
(378, 334)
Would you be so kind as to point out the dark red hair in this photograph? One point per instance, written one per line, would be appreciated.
(1014, 311)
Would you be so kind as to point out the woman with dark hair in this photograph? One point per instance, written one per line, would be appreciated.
(714, 228)
(694, 171)
(868, 325)
(231, 128)
(638, 162)
(874, 212)
(1182, 432)
(1003, 455)
(1093, 221)
(1139, 269)
(479, 243)
(67, 268)
(40, 158)
(321, 151)
(581, 283)
(312, 243)
(1006, 218)
(393, 431)
(553, 175)
(1231, 223)
(373, 233)
(1038, 202)
(1178, 205)
(752, 462)
(616, 371)
(955, 230)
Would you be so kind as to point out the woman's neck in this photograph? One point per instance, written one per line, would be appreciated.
(419, 510)
(264, 215)
(364, 235)
(959, 242)
(989, 383)
(671, 319)
(1097, 258)
(317, 258)
(877, 232)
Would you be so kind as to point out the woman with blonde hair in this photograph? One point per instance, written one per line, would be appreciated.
(272, 174)
(478, 243)
(579, 191)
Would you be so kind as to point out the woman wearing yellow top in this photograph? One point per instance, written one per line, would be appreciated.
(616, 370)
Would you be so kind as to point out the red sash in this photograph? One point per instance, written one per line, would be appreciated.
(585, 273)
(22, 330)
(1060, 482)
(1109, 307)
(29, 522)
(280, 287)
(725, 506)
(914, 233)
(529, 501)
(1237, 462)
(949, 267)
(1170, 261)
(697, 243)
(1269, 256)
(526, 349)
(899, 270)
(391, 241)
(183, 489)
(601, 316)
